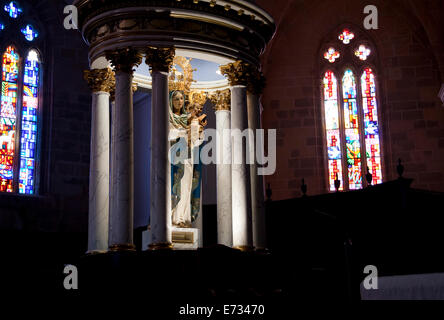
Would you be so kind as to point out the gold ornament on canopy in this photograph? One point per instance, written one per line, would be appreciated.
(182, 80)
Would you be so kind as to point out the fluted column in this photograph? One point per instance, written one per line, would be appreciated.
(122, 160)
(160, 61)
(256, 83)
(222, 105)
(240, 172)
(100, 81)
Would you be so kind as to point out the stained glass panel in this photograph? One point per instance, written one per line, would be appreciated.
(351, 124)
(10, 61)
(29, 124)
(13, 9)
(371, 123)
(363, 52)
(346, 36)
(29, 33)
(2, 26)
(331, 55)
(332, 127)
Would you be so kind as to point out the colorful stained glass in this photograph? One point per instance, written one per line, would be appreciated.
(371, 124)
(351, 124)
(346, 36)
(2, 26)
(8, 109)
(363, 52)
(29, 124)
(332, 126)
(29, 33)
(331, 55)
(13, 9)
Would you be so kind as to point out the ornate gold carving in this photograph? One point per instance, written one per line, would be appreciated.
(161, 246)
(124, 60)
(96, 252)
(134, 87)
(122, 247)
(198, 97)
(181, 80)
(99, 79)
(237, 72)
(160, 59)
(241, 73)
(244, 248)
(256, 82)
(221, 100)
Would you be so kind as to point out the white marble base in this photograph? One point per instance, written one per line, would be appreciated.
(183, 238)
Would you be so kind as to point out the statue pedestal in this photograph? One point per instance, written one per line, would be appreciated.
(183, 238)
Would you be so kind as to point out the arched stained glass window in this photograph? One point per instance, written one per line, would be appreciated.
(20, 106)
(29, 123)
(332, 127)
(10, 70)
(371, 122)
(18, 160)
(353, 125)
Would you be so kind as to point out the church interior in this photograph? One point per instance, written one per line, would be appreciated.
(334, 109)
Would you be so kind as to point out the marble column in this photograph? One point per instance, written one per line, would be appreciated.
(257, 181)
(122, 160)
(222, 105)
(160, 61)
(240, 172)
(100, 81)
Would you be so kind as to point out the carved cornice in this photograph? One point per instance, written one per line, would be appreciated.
(221, 100)
(233, 29)
(100, 79)
(160, 59)
(124, 60)
(237, 73)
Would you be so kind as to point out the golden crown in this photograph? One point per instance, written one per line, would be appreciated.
(182, 80)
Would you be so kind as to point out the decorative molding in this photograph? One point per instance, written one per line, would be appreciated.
(125, 247)
(124, 60)
(441, 94)
(231, 29)
(221, 100)
(100, 79)
(160, 59)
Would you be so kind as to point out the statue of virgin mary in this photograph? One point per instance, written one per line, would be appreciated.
(186, 173)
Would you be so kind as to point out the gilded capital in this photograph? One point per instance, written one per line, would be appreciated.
(100, 79)
(160, 59)
(256, 82)
(124, 60)
(236, 72)
(221, 100)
